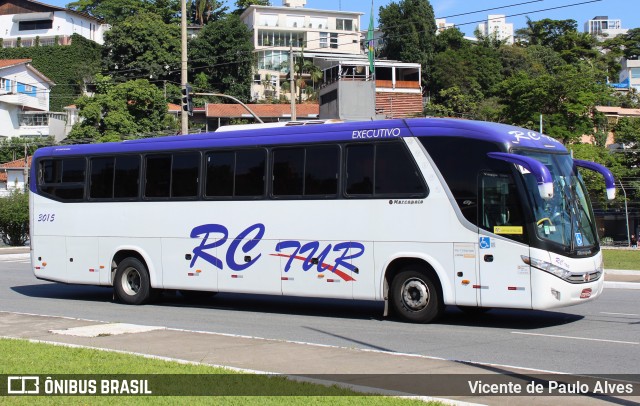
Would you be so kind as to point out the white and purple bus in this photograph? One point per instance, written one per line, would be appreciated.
(418, 213)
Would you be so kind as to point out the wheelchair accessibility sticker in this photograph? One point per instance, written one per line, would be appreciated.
(485, 243)
(579, 241)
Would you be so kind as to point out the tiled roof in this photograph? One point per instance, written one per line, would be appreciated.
(262, 110)
(618, 110)
(5, 63)
(18, 163)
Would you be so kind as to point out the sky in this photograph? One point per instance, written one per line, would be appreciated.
(628, 11)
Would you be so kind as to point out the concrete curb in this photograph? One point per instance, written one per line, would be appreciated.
(622, 285)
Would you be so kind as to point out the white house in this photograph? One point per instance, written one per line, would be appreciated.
(602, 27)
(24, 100)
(12, 176)
(23, 23)
(279, 30)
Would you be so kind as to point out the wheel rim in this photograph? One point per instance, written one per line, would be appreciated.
(131, 281)
(415, 294)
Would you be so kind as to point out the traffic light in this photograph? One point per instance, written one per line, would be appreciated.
(187, 103)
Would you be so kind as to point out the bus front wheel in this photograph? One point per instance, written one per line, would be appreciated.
(415, 297)
(131, 283)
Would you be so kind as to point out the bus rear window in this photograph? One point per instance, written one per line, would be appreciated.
(62, 179)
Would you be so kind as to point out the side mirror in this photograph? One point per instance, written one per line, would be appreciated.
(609, 181)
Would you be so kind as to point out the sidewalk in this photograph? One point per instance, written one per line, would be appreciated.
(282, 357)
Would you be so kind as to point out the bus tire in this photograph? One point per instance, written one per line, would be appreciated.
(415, 297)
(131, 284)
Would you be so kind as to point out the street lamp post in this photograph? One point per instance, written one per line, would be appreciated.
(235, 100)
(626, 212)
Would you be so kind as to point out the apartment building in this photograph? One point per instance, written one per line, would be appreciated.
(497, 25)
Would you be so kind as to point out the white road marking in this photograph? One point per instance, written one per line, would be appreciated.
(21, 258)
(110, 329)
(620, 314)
(577, 338)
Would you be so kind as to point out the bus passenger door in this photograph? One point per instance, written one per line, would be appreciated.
(83, 260)
(505, 280)
(465, 257)
(317, 268)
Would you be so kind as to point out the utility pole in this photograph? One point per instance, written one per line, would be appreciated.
(292, 85)
(183, 68)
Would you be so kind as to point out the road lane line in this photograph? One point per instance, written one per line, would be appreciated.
(577, 338)
(620, 314)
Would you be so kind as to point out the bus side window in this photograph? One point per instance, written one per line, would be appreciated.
(360, 169)
(235, 174)
(63, 178)
(499, 205)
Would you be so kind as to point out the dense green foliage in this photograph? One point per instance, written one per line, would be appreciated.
(223, 52)
(14, 218)
(69, 67)
(141, 46)
(408, 33)
(135, 107)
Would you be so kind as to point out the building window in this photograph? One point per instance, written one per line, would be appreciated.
(5, 85)
(635, 73)
(35, 25)
(33, 120)
(273, 60)
(324, 43)
(334, 40)
(280, 38)
(344, 24)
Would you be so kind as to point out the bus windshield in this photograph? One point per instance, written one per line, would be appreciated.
(565, 219)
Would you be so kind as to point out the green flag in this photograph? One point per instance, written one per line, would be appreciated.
(370, 45)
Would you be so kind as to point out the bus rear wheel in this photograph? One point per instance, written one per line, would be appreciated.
(415, 297)
(131, 284)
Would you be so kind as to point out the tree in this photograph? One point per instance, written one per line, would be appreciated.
(223, 51)
(14, 218)
(242, 5)
(560, 35)
(120, 110)
(116, 11)
(631, 43)
(143, 47)
(409, 33)
(207, 10)
(566, 98)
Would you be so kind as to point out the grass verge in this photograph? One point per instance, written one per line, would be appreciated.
(22, 357)
(621, 259)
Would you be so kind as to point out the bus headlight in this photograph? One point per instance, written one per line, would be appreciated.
(547, 267)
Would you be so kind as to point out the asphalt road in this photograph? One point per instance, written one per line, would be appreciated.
(597, 338)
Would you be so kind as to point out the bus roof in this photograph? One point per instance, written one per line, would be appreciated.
(508, 136)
